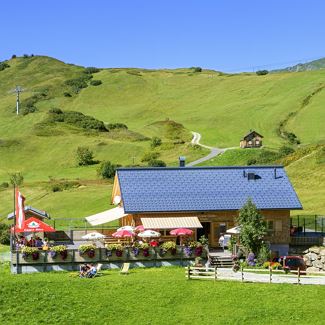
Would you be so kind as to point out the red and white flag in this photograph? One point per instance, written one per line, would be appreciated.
(20, 209)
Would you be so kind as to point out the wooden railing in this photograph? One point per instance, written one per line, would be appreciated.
(305, 240)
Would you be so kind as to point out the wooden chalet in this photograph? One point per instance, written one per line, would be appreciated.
(251, 140)
(205, 199)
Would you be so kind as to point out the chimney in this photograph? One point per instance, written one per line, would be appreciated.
(181, 161)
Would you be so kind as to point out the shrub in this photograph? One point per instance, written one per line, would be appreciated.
(55, 110)
(112, 126)
(4, 234)
(251, 161)
(67, 94)
(91, 70)
(285, 151)
(4, 185)
(62, 185)
(267, 156)
(95, 82)
(25, 56)
(78, 83)
(16, 178)
(150, 156)
(84, 156)
(4, 65)
(155, 142)
(14, 56)
(84, 121)
(197, 69)
(291, 137)
(77, 119)
(264, 254)
(156, 163)
(106, 170)
(27, 110)
(262, 72)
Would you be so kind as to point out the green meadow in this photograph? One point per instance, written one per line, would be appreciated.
(153, 296)
(164, 103)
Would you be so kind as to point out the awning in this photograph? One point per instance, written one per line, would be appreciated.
(106, 216)
(171, 222)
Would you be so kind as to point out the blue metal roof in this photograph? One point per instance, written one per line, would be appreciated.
(205, 188)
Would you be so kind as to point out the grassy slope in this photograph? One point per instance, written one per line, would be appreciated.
(221, 107)
(154, 296)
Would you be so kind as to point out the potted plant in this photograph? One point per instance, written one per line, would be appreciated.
(135, 249)
(145, 249)
(88, 249)
(59, 249)
(167, 246)
(30, 251)
(193, 246)
(118, 248)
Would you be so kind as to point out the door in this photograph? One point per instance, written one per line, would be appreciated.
(204, 231)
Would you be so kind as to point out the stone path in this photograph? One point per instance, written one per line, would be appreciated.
(228, 274)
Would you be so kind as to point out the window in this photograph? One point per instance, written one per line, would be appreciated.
(270, 227)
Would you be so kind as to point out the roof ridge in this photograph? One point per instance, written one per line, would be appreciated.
(201, 167)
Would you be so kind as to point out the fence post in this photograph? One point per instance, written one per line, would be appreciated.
(304, 226)
(188, 272)
(298, 275)
(322, 225)
(215, 273)
(242, 273)
(270, 268)
(298, 222)
(315, 223)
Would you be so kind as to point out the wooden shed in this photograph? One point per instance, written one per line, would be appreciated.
(251, 140)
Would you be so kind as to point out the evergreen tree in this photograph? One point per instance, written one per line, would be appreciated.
(253, 227)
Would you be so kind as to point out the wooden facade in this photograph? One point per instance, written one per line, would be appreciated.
(216, 223)
(251, 140)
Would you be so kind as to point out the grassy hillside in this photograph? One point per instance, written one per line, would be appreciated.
(164, 103)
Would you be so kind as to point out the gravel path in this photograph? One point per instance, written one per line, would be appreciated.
(228, 274)
(214, 151)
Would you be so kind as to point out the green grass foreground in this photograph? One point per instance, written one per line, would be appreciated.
(153, 296)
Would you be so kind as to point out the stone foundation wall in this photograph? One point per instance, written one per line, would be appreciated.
(315, 259)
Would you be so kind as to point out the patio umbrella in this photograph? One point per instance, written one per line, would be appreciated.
(93, 236)
(149, 234)
(236, 230)
(34, 225)
(128, 228)
(181, 232)
(122, 234)
(139, 228)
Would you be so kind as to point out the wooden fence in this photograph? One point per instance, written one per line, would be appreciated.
(212, 274)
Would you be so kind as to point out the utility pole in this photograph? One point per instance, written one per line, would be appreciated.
(18, 90)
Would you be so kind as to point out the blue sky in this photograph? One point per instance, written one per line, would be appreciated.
(224, 35)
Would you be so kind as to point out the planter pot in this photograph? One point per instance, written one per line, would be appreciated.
(35, 256)
(119, 253)
(64, 254)
(53, 254)
(91, 253)
(198, 251)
